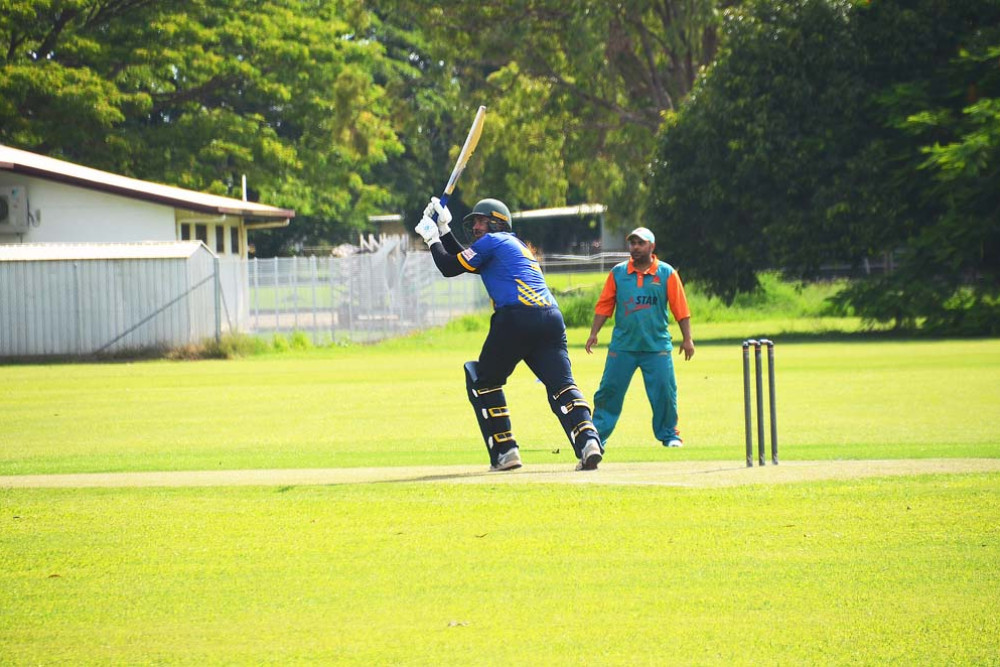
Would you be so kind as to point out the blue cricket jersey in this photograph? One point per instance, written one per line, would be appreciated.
(509, 271)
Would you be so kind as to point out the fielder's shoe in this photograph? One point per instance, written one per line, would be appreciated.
(674, 442)
(509, 460)
(591, 456)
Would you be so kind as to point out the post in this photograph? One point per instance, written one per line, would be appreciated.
(313, 277)
(277, 297)
(78, 311)
(771, 402)
(218, 301)
(293, 282)
(256, 295)
(746, 402)
(759, 378)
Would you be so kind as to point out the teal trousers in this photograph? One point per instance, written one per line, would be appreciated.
(661, 390)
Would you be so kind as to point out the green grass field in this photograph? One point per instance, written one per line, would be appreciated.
(872, 571)
(403, 403)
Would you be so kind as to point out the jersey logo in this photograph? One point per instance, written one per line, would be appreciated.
(465, 259)
(637, 303)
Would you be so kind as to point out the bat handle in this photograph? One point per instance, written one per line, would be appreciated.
(444, 202)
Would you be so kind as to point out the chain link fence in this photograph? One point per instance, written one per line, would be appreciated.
(361, 297)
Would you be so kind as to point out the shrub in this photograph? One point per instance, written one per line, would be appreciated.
(239, 345)
(474, 322)
(300, 341)
(578, 306)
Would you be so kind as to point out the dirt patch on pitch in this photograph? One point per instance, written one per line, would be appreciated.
(681, 474)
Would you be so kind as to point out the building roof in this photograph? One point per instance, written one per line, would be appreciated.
(32, 164)
(561, 212)
(27, 252)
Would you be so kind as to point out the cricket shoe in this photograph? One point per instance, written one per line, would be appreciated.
(674, 442)
(591, 456)
(509, 460)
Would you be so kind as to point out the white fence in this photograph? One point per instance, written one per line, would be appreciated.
(371, 296)
(360, 297)
(106, 306)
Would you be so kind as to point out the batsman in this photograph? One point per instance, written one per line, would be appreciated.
(526, 325)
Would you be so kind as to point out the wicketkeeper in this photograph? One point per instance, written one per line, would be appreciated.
(526, 325)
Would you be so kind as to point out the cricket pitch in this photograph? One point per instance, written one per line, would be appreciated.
(695, 474)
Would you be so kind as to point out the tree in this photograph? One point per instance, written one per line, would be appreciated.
(199, 93)
(575, 89)
(750, 170)
(829, 131)
(947, 278)
(341, 108)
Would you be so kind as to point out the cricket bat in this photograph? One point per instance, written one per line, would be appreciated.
(471, 142)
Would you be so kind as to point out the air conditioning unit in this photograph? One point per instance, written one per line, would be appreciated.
(13, 209)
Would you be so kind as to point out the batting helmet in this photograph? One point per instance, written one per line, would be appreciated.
(496, 211)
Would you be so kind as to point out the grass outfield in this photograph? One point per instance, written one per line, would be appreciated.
(868, 572)
(404, 404)
(861, 571)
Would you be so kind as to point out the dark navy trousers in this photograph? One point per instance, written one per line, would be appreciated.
(536, 336)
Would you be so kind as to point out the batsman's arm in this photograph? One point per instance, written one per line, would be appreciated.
(451, 243)
(446, 262)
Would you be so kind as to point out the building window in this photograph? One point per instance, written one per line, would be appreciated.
(185, 231)
(201, 233)
(220, 239)
(234, 240)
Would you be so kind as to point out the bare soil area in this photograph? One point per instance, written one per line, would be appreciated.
(681, 474)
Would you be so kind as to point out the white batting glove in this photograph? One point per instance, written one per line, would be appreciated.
(428, 231)
(443, 215)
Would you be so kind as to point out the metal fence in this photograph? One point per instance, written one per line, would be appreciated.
(103, 306)
(363, 297)
(371, 296)
(115, 300)
(601, 262)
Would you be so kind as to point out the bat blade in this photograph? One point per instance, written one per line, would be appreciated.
(471, 141)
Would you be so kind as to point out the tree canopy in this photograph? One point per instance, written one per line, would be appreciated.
(830, 131)
(341, 108)
(199, 93)
(575, 89)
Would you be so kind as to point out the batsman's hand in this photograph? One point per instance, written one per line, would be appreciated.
(428, 231)
(443, 215)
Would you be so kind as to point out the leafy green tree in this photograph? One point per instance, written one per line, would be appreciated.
(947, 273)
(200, 93)
(430, 114)
(341, 108)
(833, 131)
(750, 169)
(575, 89)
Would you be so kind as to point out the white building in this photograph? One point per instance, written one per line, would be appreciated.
(43, 200)
(96, 263)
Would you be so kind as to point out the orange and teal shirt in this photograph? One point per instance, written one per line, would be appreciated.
(642, 303)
